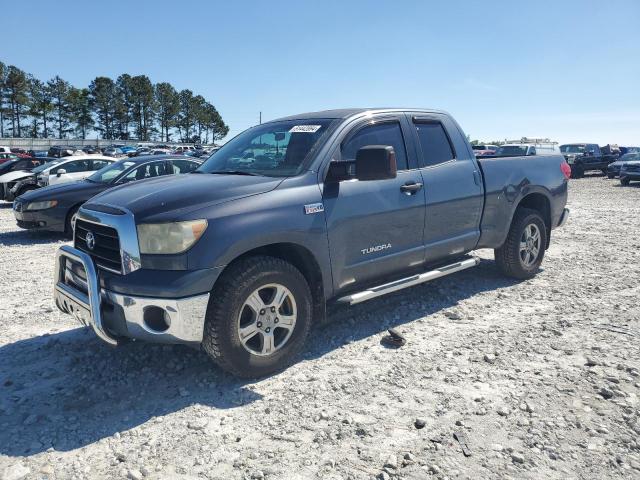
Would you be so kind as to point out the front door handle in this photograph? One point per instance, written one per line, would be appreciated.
(411, 188)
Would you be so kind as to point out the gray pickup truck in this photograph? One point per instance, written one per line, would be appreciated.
(241, 256)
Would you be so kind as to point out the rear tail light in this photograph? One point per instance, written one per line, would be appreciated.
(566, 170)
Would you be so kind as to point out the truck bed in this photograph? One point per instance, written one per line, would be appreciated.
(507, 180)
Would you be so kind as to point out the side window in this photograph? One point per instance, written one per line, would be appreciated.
(98, 164)
(74, 167)
(183, 166)
(381, 134)
(149, 170)
(434, 143)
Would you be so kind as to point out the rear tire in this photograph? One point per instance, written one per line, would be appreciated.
(523, 251)
(234, 310)
(610, 176)
(577, 171)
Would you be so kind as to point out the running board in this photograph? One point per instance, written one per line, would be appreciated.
(409, 281)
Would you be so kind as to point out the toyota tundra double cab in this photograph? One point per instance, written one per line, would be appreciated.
(242, 256)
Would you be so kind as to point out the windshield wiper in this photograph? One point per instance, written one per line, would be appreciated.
(234, 172)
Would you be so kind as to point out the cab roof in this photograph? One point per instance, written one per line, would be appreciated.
(344, 113)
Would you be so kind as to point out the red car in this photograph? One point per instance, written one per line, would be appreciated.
(5, 157)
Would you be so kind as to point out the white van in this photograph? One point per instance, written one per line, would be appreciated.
(527, 146)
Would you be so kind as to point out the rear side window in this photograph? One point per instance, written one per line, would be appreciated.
(380, 134)
(183, 166)
(434, 143)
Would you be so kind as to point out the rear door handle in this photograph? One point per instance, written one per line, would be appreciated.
(411, 188)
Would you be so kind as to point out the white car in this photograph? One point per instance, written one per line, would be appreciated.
(5, 150)
(72, 169)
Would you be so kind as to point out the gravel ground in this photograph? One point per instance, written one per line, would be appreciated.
(542, 377)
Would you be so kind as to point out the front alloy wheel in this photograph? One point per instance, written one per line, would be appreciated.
(259, 316)
(267, 319)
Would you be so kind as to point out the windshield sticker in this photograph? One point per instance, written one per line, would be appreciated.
(305, 129)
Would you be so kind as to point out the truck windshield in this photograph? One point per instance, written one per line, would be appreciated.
(277, 149)
(511, 150)
(572, 148)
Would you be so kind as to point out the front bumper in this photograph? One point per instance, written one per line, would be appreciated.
(49, 219)
(113, 315)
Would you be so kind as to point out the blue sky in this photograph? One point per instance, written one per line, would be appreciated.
(569, 70)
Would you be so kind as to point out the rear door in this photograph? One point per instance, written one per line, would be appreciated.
(375, 228)
(452, 186)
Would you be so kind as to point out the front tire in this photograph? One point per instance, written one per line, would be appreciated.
(523, 251)
(70, 222)
(625, 181)
(258, 318)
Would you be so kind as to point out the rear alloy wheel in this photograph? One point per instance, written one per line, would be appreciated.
(259, 316)
(523, 251)
(530, 245)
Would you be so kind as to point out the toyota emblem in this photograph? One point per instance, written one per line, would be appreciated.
(91, 240)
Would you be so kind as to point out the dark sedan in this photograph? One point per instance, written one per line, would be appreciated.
(613, 170)
(54, 207)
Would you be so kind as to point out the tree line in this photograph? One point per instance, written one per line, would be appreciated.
(131, 107)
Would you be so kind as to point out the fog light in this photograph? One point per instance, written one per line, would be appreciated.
(156, 319)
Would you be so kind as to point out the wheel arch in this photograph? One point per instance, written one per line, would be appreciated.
(541, 203)
(304, 260)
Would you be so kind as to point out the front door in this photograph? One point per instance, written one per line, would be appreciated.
(375, 228)
(73, 170)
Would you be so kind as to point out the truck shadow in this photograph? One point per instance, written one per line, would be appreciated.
(68, 390)
(405, 306)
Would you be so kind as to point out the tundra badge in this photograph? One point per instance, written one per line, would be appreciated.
(377, 248)
(313, 208)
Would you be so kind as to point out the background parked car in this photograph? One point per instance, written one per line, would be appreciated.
(18, 181)
(583, 157)
(613, 170)
(481, 150)
(54, 207)
(5, 157)
(630, 172)
(17, 165)
(5, 150)
(113, 152)
(59, 151)
(72, 169)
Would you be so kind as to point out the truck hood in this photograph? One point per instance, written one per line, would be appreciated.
(170, 197)
(12, 176)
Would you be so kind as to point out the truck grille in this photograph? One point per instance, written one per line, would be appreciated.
(104, 249)
(633, 168)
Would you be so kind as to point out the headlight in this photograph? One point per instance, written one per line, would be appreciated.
(167, 238)
(41, 205)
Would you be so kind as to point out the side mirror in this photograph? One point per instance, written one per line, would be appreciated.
(60, 171)
(376, 162)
